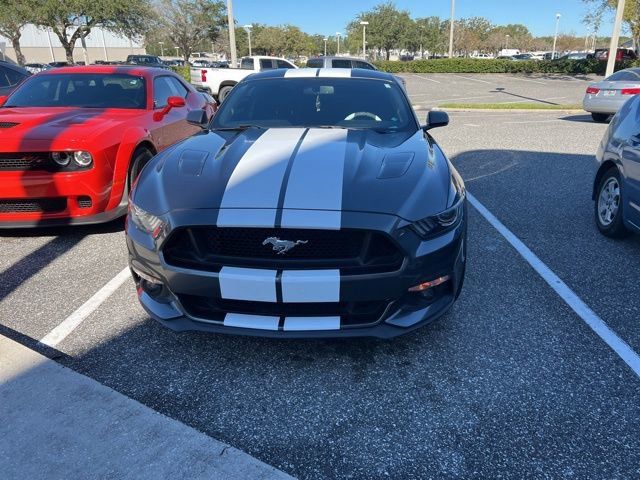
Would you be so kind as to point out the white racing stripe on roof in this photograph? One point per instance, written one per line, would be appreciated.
(310, 286)
(301, 72)
(311, 323)
(335, 72)
(249, 284)
(315, 182)
(256, 181)
(259, 322)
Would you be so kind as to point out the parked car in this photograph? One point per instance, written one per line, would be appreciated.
(59, 64)
(10, 77)
(36, 67)
(551, 56)
(576, 56)
(219, 81)
(339, 62)
(201, 62)
(145, 61)
(314, 204)
(75, 138)
(602, 54)
(521, 57)
(603, 99)
(616, 187)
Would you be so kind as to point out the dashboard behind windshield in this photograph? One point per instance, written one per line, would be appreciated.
(317, 102)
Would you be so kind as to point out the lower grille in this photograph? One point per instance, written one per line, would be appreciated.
(8, 124)
(351, 313)
(85, 202)
(352, 251)
(27, 161)
(40, 205)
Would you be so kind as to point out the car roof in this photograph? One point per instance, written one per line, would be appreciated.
(326, 72)
(333, 57)
(115, 69)
(16, 68)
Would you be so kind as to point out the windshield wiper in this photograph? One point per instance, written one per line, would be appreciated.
(237, 127)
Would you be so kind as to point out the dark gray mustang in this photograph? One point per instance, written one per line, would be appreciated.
(314, 204)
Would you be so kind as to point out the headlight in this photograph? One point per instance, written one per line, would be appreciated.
(83, 159)
(146, 221)
(61, 158)
(442, 222)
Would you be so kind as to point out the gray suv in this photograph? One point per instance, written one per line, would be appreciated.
(339, 62)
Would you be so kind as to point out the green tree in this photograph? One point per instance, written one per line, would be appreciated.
(388, 29)
(429, 35)
(190, 23)
(631, 16)
(71, 20)
(14, 15)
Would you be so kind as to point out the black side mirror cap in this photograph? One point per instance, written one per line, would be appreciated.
(198, 118)
(436, 118)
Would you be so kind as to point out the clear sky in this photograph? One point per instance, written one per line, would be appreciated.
(330, 16)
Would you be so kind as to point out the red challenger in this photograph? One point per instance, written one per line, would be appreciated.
(72, 140)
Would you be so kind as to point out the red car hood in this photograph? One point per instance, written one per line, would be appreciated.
(45, 128)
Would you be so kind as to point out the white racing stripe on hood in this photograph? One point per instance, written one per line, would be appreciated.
(254, 185)
(301, 72)
(314, 193)
(335, 72)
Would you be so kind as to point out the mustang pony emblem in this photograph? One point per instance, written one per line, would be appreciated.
(282, 246)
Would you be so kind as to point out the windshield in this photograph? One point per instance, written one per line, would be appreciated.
(317, 102)
(85, 90)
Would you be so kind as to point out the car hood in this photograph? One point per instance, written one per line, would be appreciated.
(38, 128)
(258, 171)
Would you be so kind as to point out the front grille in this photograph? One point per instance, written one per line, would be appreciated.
(39, 205)
(27, 161)
(211, 248)
(8, 124)
(350, 313)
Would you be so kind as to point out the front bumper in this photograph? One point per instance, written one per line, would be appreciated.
(41, 198)
(402, 311)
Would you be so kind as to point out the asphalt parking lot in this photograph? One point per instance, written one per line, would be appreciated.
(510, 384)
(433, 89)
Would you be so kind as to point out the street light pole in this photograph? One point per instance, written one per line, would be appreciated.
(325, 46)
(177, 53)
(453, 14)
(104, 44)
(338, 37)
(232, 34)
(364, 39)
(248, 29)
(555, 37)
(615, 38)
(506, 41)
(161, 49)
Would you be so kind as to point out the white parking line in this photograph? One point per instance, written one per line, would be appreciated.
(526, 80)
(533, 121)
(622, 349)
(426, 78)
(58, 334)
(471, 79)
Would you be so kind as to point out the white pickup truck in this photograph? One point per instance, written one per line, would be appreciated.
(220, 81)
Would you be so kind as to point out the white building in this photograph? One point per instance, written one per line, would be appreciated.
(40, 45)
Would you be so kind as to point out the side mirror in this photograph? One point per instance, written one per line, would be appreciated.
(198, 118)
(436, 118)
(172, 102)
(3, 100)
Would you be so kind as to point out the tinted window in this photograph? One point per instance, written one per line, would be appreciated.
(361, 64)
(335, 63)
(266, 64)
(178, 88)
(308, 102)
(283, 64)
(81, 90)
(315, 63)
(247, 63)
(162, 90)
(624, 76)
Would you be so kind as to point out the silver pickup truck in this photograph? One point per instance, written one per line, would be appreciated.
(220, 81)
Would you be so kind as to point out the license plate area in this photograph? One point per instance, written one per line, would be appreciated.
(608, 93)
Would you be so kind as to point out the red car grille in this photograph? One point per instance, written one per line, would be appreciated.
(33, 205)
(27, 161)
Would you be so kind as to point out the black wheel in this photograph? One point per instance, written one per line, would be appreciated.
(600, 117)
(224, 91)
(608, 205)
(139, 159)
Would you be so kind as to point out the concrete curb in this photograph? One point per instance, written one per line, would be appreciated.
(507, 110)
(59, 424)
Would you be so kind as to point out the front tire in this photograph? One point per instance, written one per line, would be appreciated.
(608, 205)
(139, 159)
(600, 117)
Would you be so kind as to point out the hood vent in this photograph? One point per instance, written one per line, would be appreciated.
(8, 124)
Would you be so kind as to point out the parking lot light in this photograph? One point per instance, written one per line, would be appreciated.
(338, 37)
(248, 29)
(364, 39)
(555, 37)
(325, 45)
